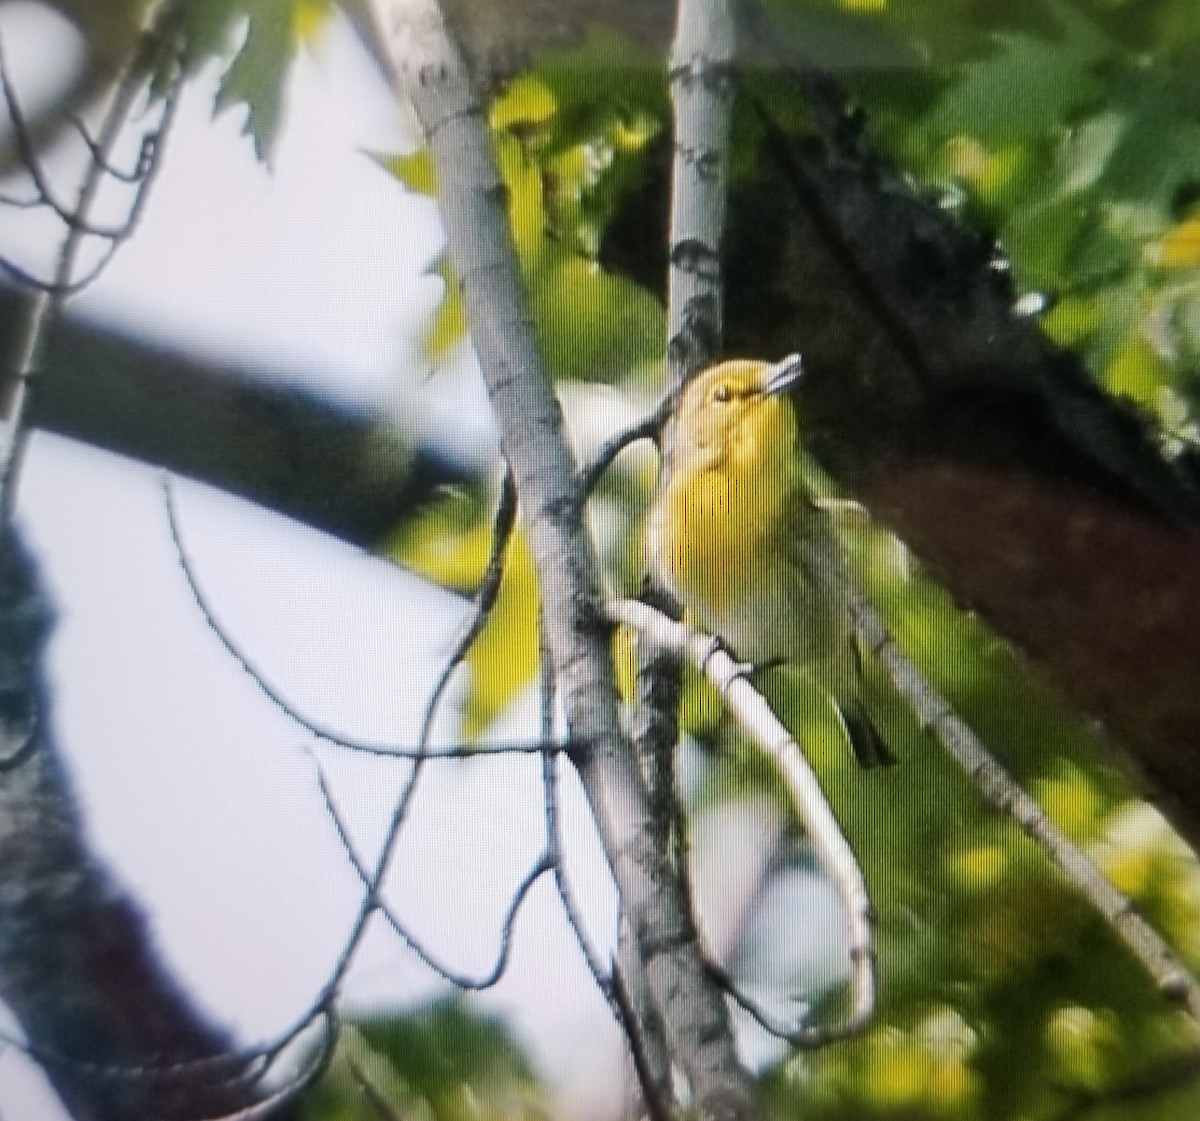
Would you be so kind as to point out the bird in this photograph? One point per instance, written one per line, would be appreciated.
(739, 537)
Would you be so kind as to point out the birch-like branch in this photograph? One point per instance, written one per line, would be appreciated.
(1174, 980)
(764, 728)
(702, 69)
(428, 67)
(702, 58)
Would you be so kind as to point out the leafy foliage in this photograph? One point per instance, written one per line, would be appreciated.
(258, 40)
(443, 1062)
(565, 160)
(449, 544)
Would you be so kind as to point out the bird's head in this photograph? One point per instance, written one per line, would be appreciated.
(736, 416)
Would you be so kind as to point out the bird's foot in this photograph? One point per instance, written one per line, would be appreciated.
(742, 669)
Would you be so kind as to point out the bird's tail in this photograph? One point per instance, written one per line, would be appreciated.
(866, 740)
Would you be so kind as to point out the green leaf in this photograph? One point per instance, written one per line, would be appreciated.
(258, 73)
(1027, 85)
(449, 544)
(443, 1062)
(415, 170)
(450, 320)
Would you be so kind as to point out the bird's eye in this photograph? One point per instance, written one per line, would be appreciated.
(721, 392)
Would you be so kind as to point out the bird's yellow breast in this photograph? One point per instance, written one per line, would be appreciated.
(717, 534)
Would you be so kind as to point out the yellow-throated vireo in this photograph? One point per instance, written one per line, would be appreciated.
(738, 537)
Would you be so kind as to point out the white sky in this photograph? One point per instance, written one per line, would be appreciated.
(194, 787)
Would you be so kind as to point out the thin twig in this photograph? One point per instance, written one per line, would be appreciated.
(503, 523)
(231, 1069)
(20, 203)
(292, 712)
(830, 845)
(144, 160)
(74, 218)
(554, 839)
(461, 980)
(485, 600)
(796, 1035)
(647, 428)
(609, 981)
(271, 1105)
(127, 86)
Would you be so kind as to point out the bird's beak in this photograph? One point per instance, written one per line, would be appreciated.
(783, 375)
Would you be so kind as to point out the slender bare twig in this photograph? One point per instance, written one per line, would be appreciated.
(647, 1048)
(1174, 980)
(490, 977)
(315, 727)
(829, 844)
(128, 86)
(647, 428)
(54, 289)
(485, 600)
(20, 203)
(145, 158)
(503, 523)
(554, 839)
(797, 1035)
(72, 217)
(297, 1084)
(230, 1069)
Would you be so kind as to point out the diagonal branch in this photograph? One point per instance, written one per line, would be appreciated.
(1174, 980)
(428, 67)
(484, 601)
(830, 845)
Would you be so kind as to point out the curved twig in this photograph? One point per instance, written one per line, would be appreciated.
(647, 428)
(144, 160)
(554, 840)
(503, 524)
(232, 1068)
(800, 1036)
(20, 203)
(307, 1077)
(830, 845)
(540, 867)
(128, 84)
(73, 218)
(484, 602)
(288, 708)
